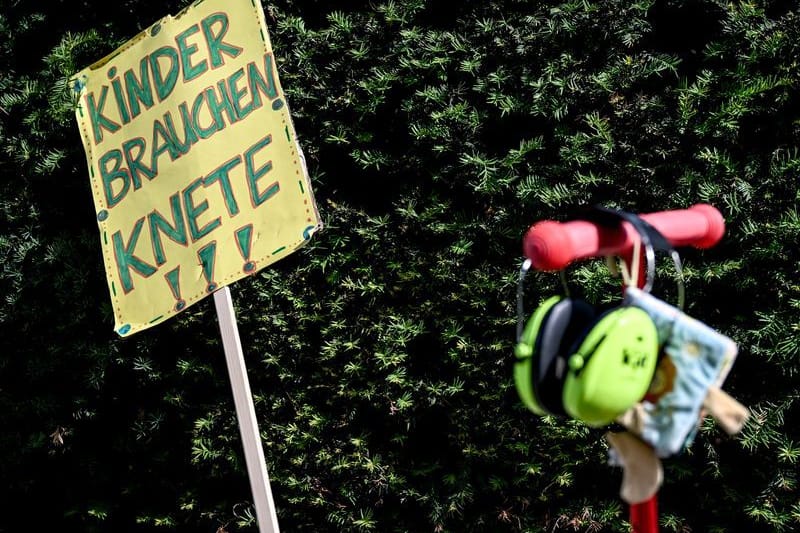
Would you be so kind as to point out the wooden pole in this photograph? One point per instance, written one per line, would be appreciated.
(246, 413)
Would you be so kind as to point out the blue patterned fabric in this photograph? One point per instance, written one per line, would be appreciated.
(694, 358)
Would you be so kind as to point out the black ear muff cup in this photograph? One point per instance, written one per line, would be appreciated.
(565, 321)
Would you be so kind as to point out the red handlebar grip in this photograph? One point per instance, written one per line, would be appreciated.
(553, 245)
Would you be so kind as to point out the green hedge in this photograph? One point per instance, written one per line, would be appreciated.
(380, 356)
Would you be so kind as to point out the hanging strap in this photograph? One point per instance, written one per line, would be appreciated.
(606, 216)
(652, 239)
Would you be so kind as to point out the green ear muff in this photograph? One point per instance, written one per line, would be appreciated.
(542, 349)
(611, 368)
(525, 351)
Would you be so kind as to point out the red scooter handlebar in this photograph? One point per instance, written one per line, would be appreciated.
(553, 245)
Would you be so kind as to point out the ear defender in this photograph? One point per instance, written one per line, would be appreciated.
(570, 362)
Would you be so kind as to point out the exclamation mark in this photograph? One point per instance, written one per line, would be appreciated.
(244, 240)
(207, 255)
(173, 279)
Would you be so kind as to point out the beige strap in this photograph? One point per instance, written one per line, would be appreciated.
(642, 473)
(728, 413)
(633, 419)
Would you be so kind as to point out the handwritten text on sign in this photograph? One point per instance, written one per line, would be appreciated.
(195, 171)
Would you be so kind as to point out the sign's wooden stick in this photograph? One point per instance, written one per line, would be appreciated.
(246, 413)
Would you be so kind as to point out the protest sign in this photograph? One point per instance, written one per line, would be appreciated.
(195, 170)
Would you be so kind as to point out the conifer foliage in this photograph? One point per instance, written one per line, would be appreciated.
(380, 356)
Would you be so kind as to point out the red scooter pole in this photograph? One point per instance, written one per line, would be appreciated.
(553, 245)
(644, 516)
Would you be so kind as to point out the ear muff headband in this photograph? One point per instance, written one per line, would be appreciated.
(652, 240)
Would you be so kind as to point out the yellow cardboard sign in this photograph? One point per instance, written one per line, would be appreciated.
(197, 178)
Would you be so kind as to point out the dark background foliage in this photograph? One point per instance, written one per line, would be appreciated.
(380, 355)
